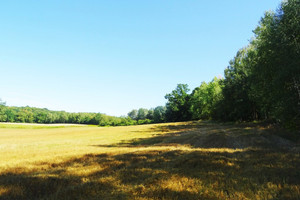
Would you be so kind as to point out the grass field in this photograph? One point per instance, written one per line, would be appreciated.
(191, 160)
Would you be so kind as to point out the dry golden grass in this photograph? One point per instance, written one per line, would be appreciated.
(192, 160)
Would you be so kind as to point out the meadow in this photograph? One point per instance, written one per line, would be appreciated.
(186, 160)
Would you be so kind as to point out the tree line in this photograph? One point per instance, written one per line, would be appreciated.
(262, 82)
(42, 115)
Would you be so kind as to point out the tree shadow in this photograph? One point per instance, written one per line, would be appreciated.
(216, 170)
(209, 135)
(165, 174)
(29, 186)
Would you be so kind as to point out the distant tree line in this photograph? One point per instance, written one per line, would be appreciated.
(262, 82)
(42, 115)
(39, 115)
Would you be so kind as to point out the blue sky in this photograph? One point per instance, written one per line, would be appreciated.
(114, 56)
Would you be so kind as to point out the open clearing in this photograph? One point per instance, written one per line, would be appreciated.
(192, 160)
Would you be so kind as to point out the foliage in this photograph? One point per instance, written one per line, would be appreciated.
(277, 69)
(237, 103)
(145, 116)
(133, 114)
(178, 104)
(159, 114)
(3, 116)
(38, 115)
(142, 114)
(263, 80)
(203, 99)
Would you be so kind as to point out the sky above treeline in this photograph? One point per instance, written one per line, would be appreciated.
(115, 56)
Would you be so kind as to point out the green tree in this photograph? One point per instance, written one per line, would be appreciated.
(150, 114)
(178, 104)
(133, 114)
(277, 69)
(203, 99)
(142, 113)
(3, 116)
(237, 101)
(159, 114)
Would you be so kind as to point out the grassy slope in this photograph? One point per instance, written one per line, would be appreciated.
(194, 160)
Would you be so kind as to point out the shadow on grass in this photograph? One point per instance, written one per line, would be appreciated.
(260, 172)
(32, 186)
(210, 135)
(162, 174)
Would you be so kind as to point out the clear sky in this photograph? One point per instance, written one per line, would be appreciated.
(114, 56)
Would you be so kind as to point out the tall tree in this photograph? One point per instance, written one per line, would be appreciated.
(133, 114)
(142, 113)
(178, 107)
(237, 97)
(150, 114)
(277, 71)
(203, 99)
(159, 114)
(3, 116)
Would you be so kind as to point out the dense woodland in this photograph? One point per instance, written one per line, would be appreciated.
(262, 82)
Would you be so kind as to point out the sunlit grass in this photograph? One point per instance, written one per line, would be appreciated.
(38, 126)
(192, 160)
